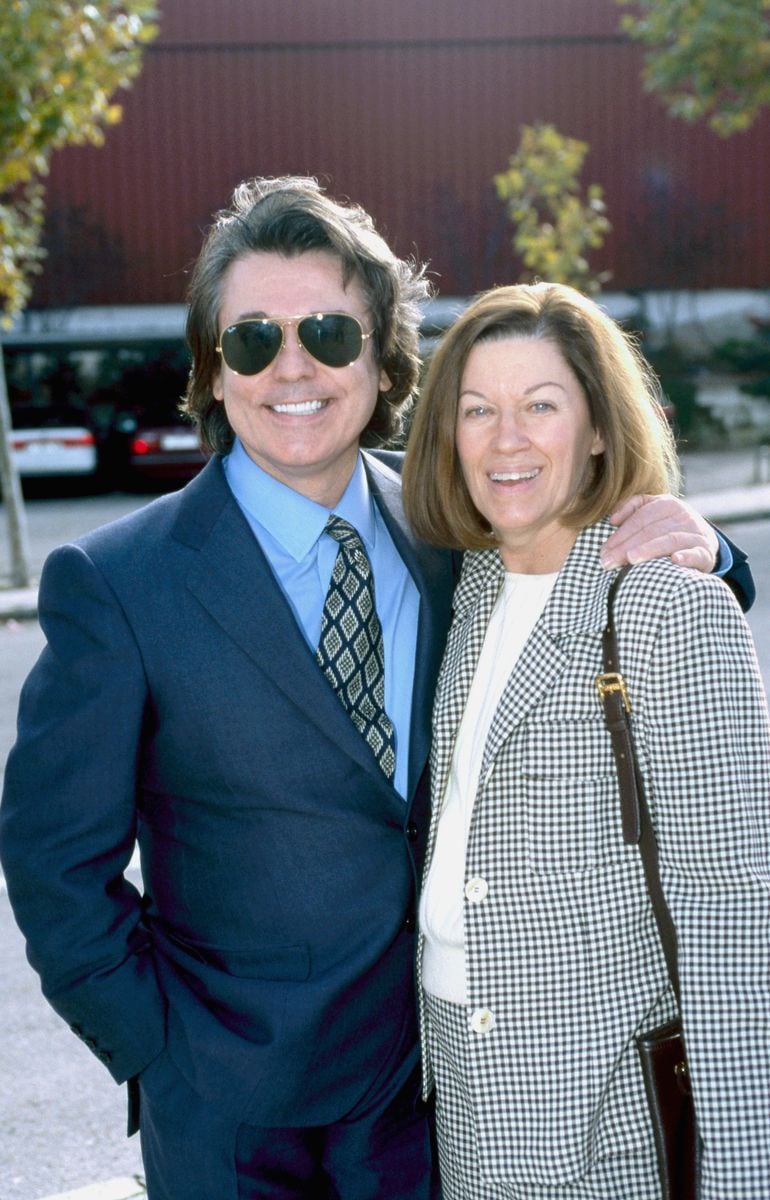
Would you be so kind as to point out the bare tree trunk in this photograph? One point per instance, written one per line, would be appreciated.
(12, 497)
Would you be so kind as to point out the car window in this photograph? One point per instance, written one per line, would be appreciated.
(47, 416)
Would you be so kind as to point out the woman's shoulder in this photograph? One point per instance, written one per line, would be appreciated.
(660, 581)
(659, 599)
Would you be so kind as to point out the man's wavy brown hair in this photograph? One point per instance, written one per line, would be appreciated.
(291, 215)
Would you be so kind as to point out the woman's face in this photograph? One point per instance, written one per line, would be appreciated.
(525, 440)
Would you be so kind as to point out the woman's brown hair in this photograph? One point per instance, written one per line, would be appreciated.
(623, 399)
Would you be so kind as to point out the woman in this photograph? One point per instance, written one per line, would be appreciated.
(540, 958)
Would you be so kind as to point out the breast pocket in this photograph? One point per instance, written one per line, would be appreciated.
(571, 798)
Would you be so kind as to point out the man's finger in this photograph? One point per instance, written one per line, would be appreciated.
(629, 507)
(665, 544)
(700, 558)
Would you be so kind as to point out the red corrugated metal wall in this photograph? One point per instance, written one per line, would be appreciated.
(408, 108)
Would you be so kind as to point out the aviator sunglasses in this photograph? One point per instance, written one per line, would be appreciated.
(333, 339)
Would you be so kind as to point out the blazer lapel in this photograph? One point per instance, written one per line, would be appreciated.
(234, 582)
(575, 608)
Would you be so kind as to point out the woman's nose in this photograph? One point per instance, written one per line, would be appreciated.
(510, 432)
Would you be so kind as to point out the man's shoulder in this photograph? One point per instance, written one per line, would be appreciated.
(183, 513)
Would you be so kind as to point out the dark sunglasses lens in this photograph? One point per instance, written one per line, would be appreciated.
(250, 346)
(335, 339)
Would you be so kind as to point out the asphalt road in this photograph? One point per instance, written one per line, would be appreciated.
(62, 1119)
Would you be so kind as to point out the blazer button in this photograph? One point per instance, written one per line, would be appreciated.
(482, 1020)
(411, 831)
(410, 924)
(476, 890)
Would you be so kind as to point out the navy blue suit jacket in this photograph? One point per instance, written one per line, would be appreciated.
(178, 703)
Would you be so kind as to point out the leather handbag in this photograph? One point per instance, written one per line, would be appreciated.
(662, 1052)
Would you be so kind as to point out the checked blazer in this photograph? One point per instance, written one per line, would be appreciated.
(563, 950)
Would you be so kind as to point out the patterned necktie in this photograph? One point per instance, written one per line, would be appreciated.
(350, 650)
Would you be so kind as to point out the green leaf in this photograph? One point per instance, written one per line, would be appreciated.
(60, 64)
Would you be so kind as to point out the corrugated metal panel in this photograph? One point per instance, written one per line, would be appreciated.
(413, 128)
(318, 22)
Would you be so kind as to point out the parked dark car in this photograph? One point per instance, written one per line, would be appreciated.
(154, 443)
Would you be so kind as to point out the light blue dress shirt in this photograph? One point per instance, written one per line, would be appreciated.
(724, 556)
(290, 529)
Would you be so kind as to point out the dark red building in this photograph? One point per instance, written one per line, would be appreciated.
(408, 108)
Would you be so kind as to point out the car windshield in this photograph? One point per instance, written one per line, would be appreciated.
(159, 411)
(47, 416)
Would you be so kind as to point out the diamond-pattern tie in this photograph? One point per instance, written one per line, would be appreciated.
(350, 650)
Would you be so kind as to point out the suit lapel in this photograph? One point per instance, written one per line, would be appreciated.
(431, 570)
(474, 600)
(232, 579)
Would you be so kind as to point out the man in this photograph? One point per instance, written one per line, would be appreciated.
(219, 685)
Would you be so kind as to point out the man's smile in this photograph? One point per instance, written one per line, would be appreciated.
(299, 408)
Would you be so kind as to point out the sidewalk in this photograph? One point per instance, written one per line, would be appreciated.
(722, 505)
(124, 1188)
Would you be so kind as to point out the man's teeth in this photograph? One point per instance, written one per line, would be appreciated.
(513, 476)
(307, 406)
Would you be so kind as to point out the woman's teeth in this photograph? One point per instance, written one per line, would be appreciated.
(513, 476)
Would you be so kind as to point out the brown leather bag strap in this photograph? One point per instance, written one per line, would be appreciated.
(637, 826)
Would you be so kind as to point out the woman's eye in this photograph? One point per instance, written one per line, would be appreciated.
(542, 406)
(477, 410)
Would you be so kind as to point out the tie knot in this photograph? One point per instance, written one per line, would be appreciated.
(344, 533)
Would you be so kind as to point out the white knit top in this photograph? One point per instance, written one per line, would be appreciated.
(521, 600)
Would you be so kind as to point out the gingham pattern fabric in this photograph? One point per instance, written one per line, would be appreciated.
(350, 649)
(625, 1177)
(562, 946)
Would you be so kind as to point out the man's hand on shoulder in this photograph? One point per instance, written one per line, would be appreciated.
(660, 527)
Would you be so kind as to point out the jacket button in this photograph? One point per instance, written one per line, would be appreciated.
(410, 924)
(476, 890)
(411, 831)
(482, 1020)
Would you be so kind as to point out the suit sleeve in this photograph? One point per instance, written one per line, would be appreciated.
(739, 578)
(68, 822)
(707, 748)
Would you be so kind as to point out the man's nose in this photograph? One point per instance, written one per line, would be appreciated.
(292, 360)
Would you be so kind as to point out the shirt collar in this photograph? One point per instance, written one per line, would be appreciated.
(291, 518)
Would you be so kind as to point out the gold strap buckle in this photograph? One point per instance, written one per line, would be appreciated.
(612, 681)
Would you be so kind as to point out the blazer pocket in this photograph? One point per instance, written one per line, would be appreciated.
(273, 962)
(571, 798)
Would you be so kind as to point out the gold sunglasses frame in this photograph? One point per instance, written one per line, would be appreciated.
(282, 326)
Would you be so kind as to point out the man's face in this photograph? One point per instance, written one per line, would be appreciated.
(298, 419)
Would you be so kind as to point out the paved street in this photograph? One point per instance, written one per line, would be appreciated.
(62, 1119)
